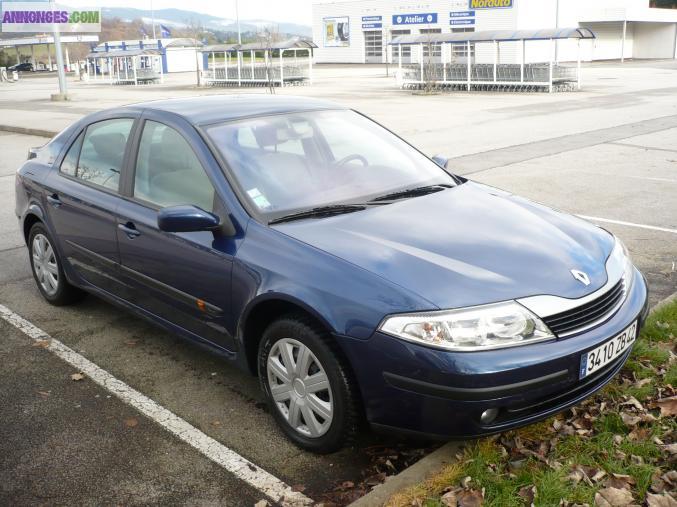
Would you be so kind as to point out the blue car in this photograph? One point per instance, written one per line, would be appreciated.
(358, 278)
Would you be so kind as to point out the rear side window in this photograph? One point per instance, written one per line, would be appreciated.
(101, 154)
(69, 165)
(168, 172)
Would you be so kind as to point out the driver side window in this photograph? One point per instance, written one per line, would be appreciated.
(168, 172)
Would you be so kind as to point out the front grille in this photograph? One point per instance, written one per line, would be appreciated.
(589, 314)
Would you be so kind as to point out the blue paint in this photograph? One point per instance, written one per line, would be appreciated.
(424, 18)
(461, 21)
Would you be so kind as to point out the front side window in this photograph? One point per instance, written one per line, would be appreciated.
(102, 153)
(297, 161)
(168, 172)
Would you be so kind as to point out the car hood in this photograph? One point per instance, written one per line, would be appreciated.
(468, 245)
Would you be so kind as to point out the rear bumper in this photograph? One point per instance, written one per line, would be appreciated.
(415, 389)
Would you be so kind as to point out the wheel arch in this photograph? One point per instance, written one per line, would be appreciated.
(33, 215)
(265, 309)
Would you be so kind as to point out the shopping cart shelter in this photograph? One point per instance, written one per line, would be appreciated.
(473, 60)
(283, 63)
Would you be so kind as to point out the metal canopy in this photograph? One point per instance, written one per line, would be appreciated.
(119, 53)
(295, 43)
(495, 35)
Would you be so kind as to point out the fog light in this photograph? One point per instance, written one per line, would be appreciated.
(488, 415)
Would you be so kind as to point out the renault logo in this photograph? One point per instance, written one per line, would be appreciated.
(581, 276)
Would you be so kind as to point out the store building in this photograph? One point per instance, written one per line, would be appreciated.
(177, 55)
(359, 31)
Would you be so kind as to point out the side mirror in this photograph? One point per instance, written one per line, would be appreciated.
(186, 219)
(441, 161)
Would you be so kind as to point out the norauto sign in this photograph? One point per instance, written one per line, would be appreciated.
(490, 4)
(45, 16)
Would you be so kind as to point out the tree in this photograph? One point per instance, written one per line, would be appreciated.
(195, 31)
(268, 36)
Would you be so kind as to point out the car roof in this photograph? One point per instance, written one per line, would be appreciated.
(207, 109)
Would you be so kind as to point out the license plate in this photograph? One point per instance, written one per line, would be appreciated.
(604, 354)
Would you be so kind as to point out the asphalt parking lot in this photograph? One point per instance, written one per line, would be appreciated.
(608, 154)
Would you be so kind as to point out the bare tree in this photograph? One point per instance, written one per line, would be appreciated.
(196, 32)
(268, 36)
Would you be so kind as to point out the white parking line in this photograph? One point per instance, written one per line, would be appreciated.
(630, 224)
(243, 469)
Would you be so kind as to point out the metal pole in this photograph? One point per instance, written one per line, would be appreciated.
(152, 17)
(444, 62)
(237, 17)
(251, 56)
(551, 57)
(420, 54)
(18, 54)
(556, 26)
(578, 65)
(136, 79)
(495, 58)
(625, 28)
(239, 67)
(281, 69)
(59, 58)
(68, 59)
(49, 57)
(469, 65)
(524, 54)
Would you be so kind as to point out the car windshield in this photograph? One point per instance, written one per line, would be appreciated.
(300, 161)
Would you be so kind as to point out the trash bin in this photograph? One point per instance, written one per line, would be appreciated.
(3, 74)
(15, 75)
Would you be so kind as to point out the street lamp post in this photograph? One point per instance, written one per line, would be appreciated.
(237, 17)
(63, 92)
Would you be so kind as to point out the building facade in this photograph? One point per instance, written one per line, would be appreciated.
(358, 31)
(178, 55)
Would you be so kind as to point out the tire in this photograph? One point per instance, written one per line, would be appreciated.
(46, 266)
(333, 412)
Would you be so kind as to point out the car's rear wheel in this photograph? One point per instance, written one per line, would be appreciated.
(47, 269)
(307, 384)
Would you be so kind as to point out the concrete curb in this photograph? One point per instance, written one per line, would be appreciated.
(663, 302)
(416, 473)
(28, 131)
(433, 462)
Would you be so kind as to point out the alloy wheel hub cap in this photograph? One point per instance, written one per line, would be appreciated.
(300, 388)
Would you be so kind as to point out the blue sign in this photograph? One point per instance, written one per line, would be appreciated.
(372, 25)
(464, 21)
(372, 18)
(462, 14)
(424, 18)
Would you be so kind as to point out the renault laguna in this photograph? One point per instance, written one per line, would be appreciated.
(358, 278)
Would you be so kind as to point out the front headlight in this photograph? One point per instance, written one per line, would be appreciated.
(485, 327)
(621, 256)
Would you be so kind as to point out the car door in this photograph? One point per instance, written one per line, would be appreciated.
(82, 197)
(184, 278)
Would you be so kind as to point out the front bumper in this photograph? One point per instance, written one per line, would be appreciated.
(415, 389)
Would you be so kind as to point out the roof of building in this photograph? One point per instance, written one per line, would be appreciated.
(166, 43)
(496, 35)
(117, 53)
(294, 43)
(211, 109)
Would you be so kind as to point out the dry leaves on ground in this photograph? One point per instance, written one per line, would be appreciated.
(77, 376)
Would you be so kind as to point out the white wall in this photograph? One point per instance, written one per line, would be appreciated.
(654, 40)
(604, 17)
(181, 59)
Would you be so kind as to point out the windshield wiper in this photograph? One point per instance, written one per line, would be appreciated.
(322, 211)
(411, 192)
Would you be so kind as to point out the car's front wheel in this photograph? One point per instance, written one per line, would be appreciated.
(308, 386)
(47, 269)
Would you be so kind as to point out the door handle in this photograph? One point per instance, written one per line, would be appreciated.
(54, 200)
(129, 229)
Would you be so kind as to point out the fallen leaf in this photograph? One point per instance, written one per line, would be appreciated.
(299, 488)
(642, 382)
(662, 500)
(633, 401)
(449, 499)
(668, 406)
(528, 493)
(131, 343)
(630, 420)
(470, 498)
(262, 503)
(671, 448)
(43, 394)
(613, 497)
(41, 343)
(77, 376)
(131, 422)
(466, 482)
(619, 481)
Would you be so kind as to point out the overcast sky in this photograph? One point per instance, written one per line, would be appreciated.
(293, 11)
